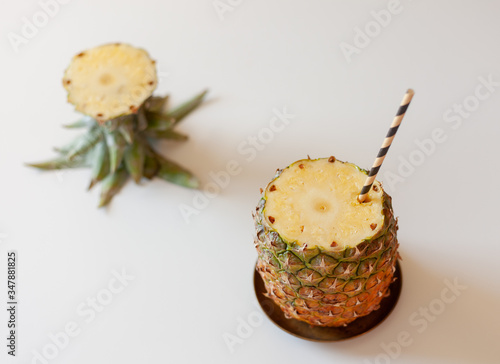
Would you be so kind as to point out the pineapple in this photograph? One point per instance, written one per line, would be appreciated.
(325, 258)
(110, 81)
(112, 86)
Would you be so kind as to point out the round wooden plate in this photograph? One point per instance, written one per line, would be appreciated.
(318, 333)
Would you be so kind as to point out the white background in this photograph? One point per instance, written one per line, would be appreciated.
(193, 281)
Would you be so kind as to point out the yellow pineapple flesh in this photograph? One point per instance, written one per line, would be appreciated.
(109, 81)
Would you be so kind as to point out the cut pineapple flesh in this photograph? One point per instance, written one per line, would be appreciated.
(314, 202)
(110, 81)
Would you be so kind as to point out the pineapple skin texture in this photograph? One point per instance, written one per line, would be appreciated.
(327, 288)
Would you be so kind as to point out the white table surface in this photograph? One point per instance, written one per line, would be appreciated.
(192, 285)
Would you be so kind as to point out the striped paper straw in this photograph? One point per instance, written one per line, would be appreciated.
(386, 145)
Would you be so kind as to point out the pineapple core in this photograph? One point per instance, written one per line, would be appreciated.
(314, 202)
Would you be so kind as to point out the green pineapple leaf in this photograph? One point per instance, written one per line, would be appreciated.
(100, 165)
(134, 159)
(71, 145)
(156, 104)
(60, 163)
(116, 146)
(151, 166)
(126, 128)
(85, 144)
(167, 134)
(112, 184)
(85, 122)
(142, 120)
(186, 108)
(159, 122)
(172, 172)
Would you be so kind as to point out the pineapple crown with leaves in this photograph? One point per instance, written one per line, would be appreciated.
(112, 85)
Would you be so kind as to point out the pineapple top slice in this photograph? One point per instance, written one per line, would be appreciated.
(110, 80)
(314, 202)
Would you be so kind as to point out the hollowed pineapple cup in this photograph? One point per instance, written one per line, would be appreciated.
(325, 258)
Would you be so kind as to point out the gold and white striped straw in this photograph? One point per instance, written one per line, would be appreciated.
(386, 145)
